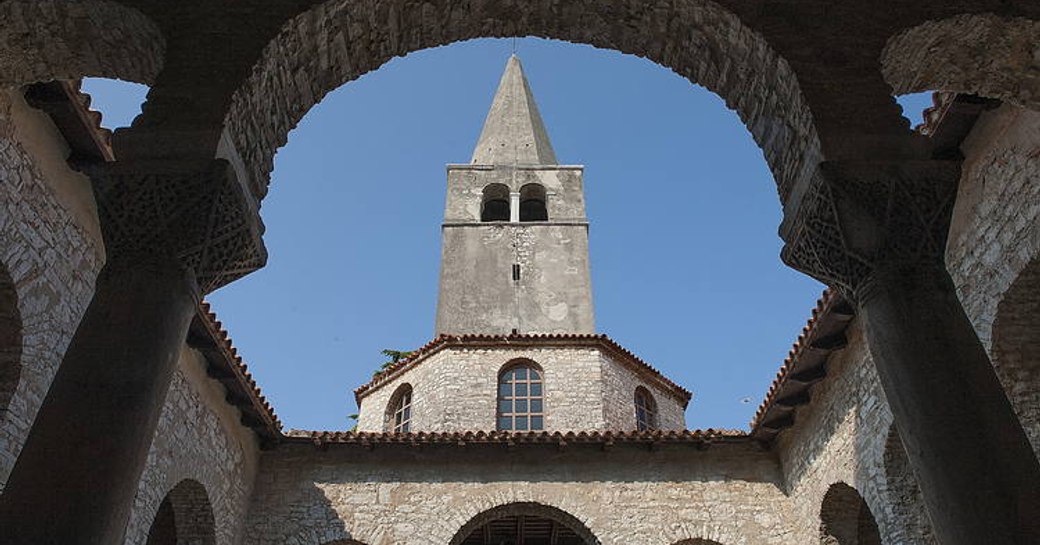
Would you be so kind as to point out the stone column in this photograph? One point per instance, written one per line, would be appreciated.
(514, 207)
(172, 232)
(877, 231)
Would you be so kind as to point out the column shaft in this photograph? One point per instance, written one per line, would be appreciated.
(979, 477)
(76, 477)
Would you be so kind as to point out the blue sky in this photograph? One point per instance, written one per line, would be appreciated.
(683, 212)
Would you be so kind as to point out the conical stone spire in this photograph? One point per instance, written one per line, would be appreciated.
(513, 132)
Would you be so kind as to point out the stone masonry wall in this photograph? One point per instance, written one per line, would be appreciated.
(52, 256)
(199, 438)
(994, 240)
(424, 495)
(456, 390)
(840, 437)
(845, 434)
(51, 247)
(619, 391)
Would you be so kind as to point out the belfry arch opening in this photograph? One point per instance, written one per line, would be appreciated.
(532, 203)
(494, 206)
(524, 523)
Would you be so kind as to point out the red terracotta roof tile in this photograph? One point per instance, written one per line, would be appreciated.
(555, 339)
(704, 437)
(232, 372)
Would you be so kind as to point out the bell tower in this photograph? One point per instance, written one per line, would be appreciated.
(515, 253)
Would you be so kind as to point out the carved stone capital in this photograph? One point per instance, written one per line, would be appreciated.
(198, 214)
(859, 217)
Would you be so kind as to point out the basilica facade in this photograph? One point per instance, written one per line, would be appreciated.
(518, 422)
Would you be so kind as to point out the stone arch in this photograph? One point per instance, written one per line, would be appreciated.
(185, 517)
(494, 203)
(541, 511)
(910, 524)
(339, 40)
(945, 55)
(43, 40)
(845, 518)
(344, 542)
(10, 341)
(697, 541)
(532, 203)
(1016, 348)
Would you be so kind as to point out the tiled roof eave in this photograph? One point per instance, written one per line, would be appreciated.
(606, 439)
(599, 341)
(224, 364)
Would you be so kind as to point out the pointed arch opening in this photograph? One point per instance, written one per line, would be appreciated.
(845, 518)
(521, 397)
(494, 206)
(524, 523)
(184, 516)
(532, 203)
(399, 410)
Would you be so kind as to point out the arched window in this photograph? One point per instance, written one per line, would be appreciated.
(646, 410)
(399, 410)
(532, 203)
(495, 204)
(520, 398)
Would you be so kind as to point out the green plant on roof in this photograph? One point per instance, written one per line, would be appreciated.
(395, 357)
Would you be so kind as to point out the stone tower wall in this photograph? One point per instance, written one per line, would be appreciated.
(478, 292)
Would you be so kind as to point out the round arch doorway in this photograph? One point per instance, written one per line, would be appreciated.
(525, 523)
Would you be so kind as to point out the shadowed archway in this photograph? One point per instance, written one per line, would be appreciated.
(524, 523)
(845, 518)
(185, 517)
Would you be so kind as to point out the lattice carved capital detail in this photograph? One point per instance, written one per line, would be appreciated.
(201, 215)
(859, 216)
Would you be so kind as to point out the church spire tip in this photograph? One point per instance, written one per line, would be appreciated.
(513, 131)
